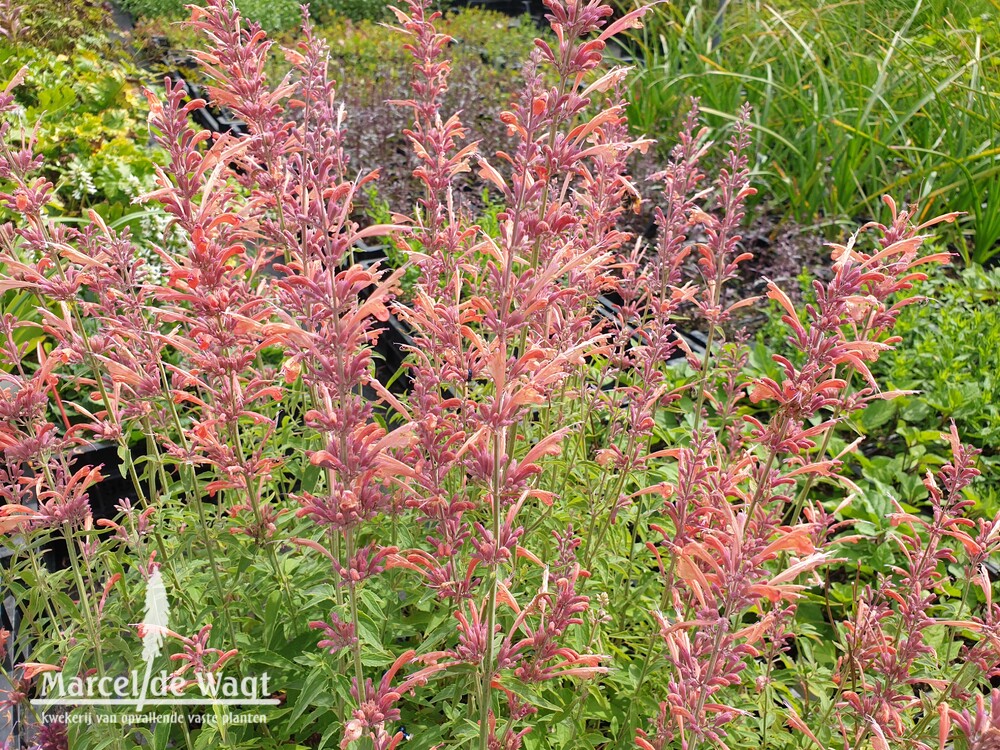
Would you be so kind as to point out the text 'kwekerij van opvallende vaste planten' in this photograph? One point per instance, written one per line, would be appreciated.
(571, 530)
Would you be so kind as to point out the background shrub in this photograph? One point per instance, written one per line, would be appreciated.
(273, 15)
(85, 93)
(947, 355)
(62, 27)
(356, 10)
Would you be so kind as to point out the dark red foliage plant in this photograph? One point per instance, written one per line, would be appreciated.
(574, 528)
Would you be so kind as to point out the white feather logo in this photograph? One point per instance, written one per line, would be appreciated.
(154, 625)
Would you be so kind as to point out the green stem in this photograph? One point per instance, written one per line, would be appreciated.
(352, 596)
(88, 615)
(619, 486)
(191, 485)
(486, 687)
(188, 742)
(254, 495)
(703, 380)
(647, 660)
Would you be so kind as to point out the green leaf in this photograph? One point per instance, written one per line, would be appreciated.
(877, 413)
(315, 692)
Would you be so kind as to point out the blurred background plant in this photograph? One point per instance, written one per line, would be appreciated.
(85, 92)
(851, 100)
(273, 15)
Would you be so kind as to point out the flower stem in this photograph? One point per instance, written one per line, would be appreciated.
(486, 695)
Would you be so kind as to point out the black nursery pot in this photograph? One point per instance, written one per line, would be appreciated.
(608, 305)
(111, 490)
(103, 496)
(393, 339)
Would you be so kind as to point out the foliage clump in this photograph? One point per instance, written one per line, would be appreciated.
(851, 100)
